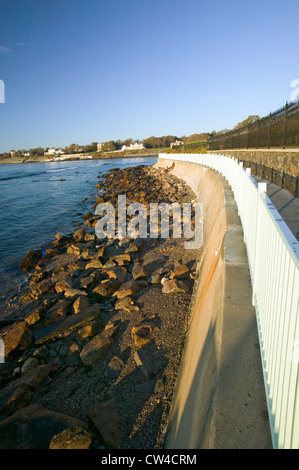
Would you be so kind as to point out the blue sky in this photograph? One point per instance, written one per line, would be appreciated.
(98, 70)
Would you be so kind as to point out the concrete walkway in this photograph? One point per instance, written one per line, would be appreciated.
(286, 204)
(240, 417)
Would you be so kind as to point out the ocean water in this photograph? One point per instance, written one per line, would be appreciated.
(40, 199)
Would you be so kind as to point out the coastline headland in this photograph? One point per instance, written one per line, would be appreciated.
(80, 156)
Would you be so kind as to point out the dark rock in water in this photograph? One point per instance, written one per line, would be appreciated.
(33, 427)
(30, 260)
(79, 234)
(42, 288)
(72, 438)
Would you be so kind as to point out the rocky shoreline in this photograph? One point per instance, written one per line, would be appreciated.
(93, 346)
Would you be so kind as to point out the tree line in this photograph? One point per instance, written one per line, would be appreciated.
(112, 145)
(149, 142)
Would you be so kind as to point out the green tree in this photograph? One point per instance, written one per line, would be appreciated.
(37, 151)
(128, 142)
(73, 148)
(251, 119)
(109, 146)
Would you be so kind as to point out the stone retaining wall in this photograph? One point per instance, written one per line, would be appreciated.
(279, 159)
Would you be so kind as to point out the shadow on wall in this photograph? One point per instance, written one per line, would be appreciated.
(219, 401)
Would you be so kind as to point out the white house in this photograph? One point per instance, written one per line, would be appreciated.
(177, 143)
(53, 151)
(135, 146)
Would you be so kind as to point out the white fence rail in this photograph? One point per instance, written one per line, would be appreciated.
(273, 257)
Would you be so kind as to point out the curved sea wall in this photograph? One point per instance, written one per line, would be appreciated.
(219, 401)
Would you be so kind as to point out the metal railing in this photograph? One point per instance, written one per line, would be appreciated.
(280, 178)
(278, 129)
(273, 257)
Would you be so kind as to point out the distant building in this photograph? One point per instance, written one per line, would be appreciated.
(27, 154)
(12, 153)
(99, 147)
(177, 143)
(53, 151)
(136, 146)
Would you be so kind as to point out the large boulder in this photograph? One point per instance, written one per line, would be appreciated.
(72, 438)
(18, 338)
(33, 427)
(105, 417)
(30, 260)
(95, 350)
